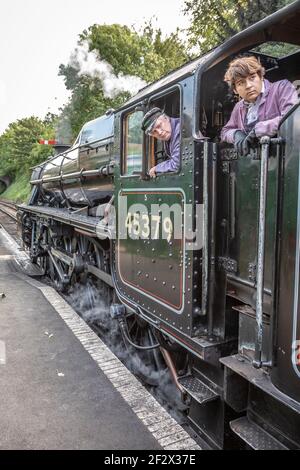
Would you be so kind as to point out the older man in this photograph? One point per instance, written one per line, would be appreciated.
(157, 124)
(261, 107)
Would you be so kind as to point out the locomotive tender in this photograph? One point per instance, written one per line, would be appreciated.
(214, 281)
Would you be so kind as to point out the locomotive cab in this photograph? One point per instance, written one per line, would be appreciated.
(252, 214)
(236, 218)
(237, 213)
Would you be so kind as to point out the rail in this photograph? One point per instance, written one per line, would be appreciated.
(9, 208)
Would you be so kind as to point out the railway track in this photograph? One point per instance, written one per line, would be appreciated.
(9, 208)
(8, 219)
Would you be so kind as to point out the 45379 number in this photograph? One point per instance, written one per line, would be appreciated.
(145, 227)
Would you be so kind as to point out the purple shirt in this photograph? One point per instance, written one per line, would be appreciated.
(172, 149)
(275, 102)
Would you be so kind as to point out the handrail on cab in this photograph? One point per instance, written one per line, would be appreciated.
(265, 143)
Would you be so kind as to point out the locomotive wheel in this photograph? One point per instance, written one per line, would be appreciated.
(95, 295)
(54, 276)
(42, 260)
(64, 244)
(42, 263)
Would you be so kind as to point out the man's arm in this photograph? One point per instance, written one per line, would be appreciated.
(287, 96)
(228, 131)
(173, 163)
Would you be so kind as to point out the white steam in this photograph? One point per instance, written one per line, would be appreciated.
(91, 303)
(88, 63)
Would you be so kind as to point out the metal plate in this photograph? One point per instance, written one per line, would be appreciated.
(197, 389)
(254, 435)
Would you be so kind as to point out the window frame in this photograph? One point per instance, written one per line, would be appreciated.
(124, 140)
(150, 144)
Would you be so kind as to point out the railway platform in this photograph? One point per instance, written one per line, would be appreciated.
(60, 386)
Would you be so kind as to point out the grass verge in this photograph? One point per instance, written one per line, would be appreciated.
(19, 190)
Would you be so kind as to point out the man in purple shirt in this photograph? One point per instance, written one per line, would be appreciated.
(157, 124)
(261, 107)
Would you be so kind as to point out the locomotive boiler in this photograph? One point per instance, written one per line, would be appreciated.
(202, 263)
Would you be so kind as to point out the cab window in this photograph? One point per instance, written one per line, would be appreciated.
(133, 143)
(170, 104)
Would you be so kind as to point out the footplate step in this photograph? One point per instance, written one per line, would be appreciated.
(197, 389)
(254, 436)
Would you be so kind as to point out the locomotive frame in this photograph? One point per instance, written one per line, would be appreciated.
(225, 306)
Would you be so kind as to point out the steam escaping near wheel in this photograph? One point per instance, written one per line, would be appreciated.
(91, 303)
(88, 63)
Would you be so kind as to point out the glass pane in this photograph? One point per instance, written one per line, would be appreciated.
(98, 129)
(134, 143)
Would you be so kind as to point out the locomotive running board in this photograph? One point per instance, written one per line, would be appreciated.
(94, 226)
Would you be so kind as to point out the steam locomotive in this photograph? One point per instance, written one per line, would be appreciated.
(202, 264)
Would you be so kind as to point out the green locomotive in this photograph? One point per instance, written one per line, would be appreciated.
(206, 259)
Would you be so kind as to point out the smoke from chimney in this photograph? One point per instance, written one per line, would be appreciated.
(88, 63)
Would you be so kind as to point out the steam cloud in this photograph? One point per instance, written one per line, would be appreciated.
(88, 63)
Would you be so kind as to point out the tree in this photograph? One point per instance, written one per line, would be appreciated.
(86, 103)
(146, 54)
(110, 64)
(19, 147)
(212, 21)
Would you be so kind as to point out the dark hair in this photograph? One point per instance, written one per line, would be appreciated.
(242, 67)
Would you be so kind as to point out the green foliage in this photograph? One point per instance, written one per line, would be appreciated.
(19, 147)
(277, 49)
(146, 54)
(212, 21)
(87, 103)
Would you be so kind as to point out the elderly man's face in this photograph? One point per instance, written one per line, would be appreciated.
(162, 129)
(249, 88)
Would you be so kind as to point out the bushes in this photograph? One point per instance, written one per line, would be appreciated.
(19, 147)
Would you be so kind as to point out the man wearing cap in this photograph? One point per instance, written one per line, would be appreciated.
(157, 124)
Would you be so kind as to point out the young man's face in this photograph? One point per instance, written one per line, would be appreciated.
(162, 129)
(249, 88)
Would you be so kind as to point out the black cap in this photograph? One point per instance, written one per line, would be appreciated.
(150, 119)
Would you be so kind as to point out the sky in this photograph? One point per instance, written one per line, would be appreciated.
(36, 36)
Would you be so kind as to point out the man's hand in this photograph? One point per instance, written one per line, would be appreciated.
(239, 137)
(244, 142)
(152, 173)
